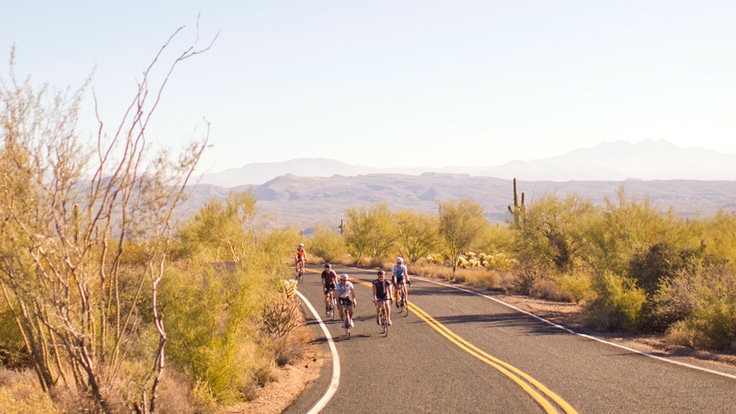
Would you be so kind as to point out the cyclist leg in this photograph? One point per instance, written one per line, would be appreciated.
(386, 305)
(340, 309)
(379, 303)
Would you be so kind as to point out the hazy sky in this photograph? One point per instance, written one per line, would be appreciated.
(399, 83)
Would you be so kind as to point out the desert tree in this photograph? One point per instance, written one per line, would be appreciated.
(221, 230)
(369, 230)
(417, 234)
(461, 223)
(71, 210)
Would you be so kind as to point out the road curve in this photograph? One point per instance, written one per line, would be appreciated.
(455, 351)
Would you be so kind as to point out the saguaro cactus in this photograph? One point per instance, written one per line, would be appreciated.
(518, 210)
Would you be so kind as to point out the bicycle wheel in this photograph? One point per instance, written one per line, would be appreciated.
(404, 305)
(346, 322)
(333, 305)
(384, 321)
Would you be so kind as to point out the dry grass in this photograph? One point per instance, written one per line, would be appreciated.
(478, 276)
(21, 394)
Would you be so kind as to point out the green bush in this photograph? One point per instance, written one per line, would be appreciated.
(577, 285)
(327, 244)
(618, 305)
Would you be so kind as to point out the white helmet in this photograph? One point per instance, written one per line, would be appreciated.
(301, 244)
(399, 260)
(344, 277)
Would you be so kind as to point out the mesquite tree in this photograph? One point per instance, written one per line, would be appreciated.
(461, 224)
(85, 229)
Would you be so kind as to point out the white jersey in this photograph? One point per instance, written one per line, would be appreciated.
(344, 291)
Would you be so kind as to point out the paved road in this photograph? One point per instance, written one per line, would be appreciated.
(458, 352)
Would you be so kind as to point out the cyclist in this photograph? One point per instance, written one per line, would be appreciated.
(400, 277)
(300, 258)
(346, 297)
(329, 282)
(381, 296)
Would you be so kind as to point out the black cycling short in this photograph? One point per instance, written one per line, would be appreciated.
(329, 287)
(345, 301)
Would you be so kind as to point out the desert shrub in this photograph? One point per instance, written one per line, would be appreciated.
(553, 232)
(578, 285)
(281, 315)
(617, 306)
(498, 261)
(429, 269)
(212, 314)
(497, 239)
(525, 278)
(202, 398)
(174, 394)
(327, 243)
(276, 246)
(547, 289)
(706, 305)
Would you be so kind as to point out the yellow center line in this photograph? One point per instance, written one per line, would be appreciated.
(528, 384)
(505, 368)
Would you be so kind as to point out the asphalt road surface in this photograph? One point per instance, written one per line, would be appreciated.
(460, 352)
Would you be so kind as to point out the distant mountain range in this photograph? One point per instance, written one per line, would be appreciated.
(609, 161)
(304, 192)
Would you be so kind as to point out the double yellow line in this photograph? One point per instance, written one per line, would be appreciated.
(531, 386)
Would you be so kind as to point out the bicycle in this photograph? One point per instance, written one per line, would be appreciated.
(347, 321)
(331, 305)
(383, 319)
(299, 271)
(403, 303)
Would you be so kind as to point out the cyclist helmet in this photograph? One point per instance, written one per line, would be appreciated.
(301, 244)
(381, 273)
(344, 277)
(399, 260)
(327, 265)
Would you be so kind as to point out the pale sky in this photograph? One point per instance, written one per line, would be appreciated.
(399, 83)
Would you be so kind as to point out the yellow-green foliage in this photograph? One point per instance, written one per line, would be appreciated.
(461, 224)
(719, 237)
(708, 303)
(369, 231)
(417, 234)
(327, 243)
(12, 347)
(278, 245)
(210, 312)
(618, 305)
(578, 285)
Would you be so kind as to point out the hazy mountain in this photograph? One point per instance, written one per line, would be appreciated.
(306, 201)
(648, 160)
(304, 192)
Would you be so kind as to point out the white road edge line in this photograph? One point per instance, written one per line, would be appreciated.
(335, 360)
(710, 371)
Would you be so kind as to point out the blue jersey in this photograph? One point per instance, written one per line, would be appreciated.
(400, 272)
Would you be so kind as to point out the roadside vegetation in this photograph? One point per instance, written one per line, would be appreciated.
(110, 305)
(632, 266)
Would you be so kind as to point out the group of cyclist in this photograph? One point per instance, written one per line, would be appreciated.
(343, 289)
